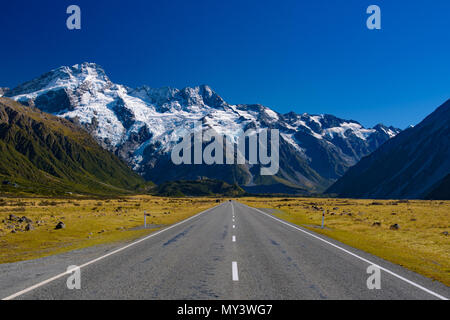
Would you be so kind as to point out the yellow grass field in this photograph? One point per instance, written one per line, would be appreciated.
(88, 222)
(421, 243)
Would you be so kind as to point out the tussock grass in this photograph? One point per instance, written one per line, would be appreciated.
(421, 243)
(88, 222)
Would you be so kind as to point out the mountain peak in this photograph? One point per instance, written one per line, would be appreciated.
(62, 77)
(89, 68)
(173, 99)
(390, 131)
(202, 95)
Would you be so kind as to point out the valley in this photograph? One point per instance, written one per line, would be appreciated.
(84, 158)
(188, 154)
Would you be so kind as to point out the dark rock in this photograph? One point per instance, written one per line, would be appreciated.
(376, 224)
(394, 227)
(60, 225)
(13, 217)
(54, 101)
(29, 227)
(27, 220)
(125, 115)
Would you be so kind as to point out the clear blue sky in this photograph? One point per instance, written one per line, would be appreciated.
(306, 56)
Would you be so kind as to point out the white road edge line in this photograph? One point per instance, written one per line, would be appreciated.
(40, 284)
(356, 256)
(234, 238)
(235, 271)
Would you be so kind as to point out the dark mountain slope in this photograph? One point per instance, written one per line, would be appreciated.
(41, 153)
(441, 191)
(406, 166)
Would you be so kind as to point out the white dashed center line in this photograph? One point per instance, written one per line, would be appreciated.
(234, 269)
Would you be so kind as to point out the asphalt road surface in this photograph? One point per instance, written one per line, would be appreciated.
(233, 251)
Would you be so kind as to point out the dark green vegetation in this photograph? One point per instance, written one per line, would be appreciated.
(205, 187)
(44, 154)
(413, 165)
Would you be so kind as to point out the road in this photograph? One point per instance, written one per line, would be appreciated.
(233, 251)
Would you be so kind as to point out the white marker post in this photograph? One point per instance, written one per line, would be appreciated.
(323, 219)
(145, 219)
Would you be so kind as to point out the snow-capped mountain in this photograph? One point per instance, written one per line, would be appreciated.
(142, 126)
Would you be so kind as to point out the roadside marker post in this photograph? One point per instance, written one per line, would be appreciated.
(323, 219)
(145, 219)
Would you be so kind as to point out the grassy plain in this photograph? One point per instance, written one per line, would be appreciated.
(421, 243)
(88, 222)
